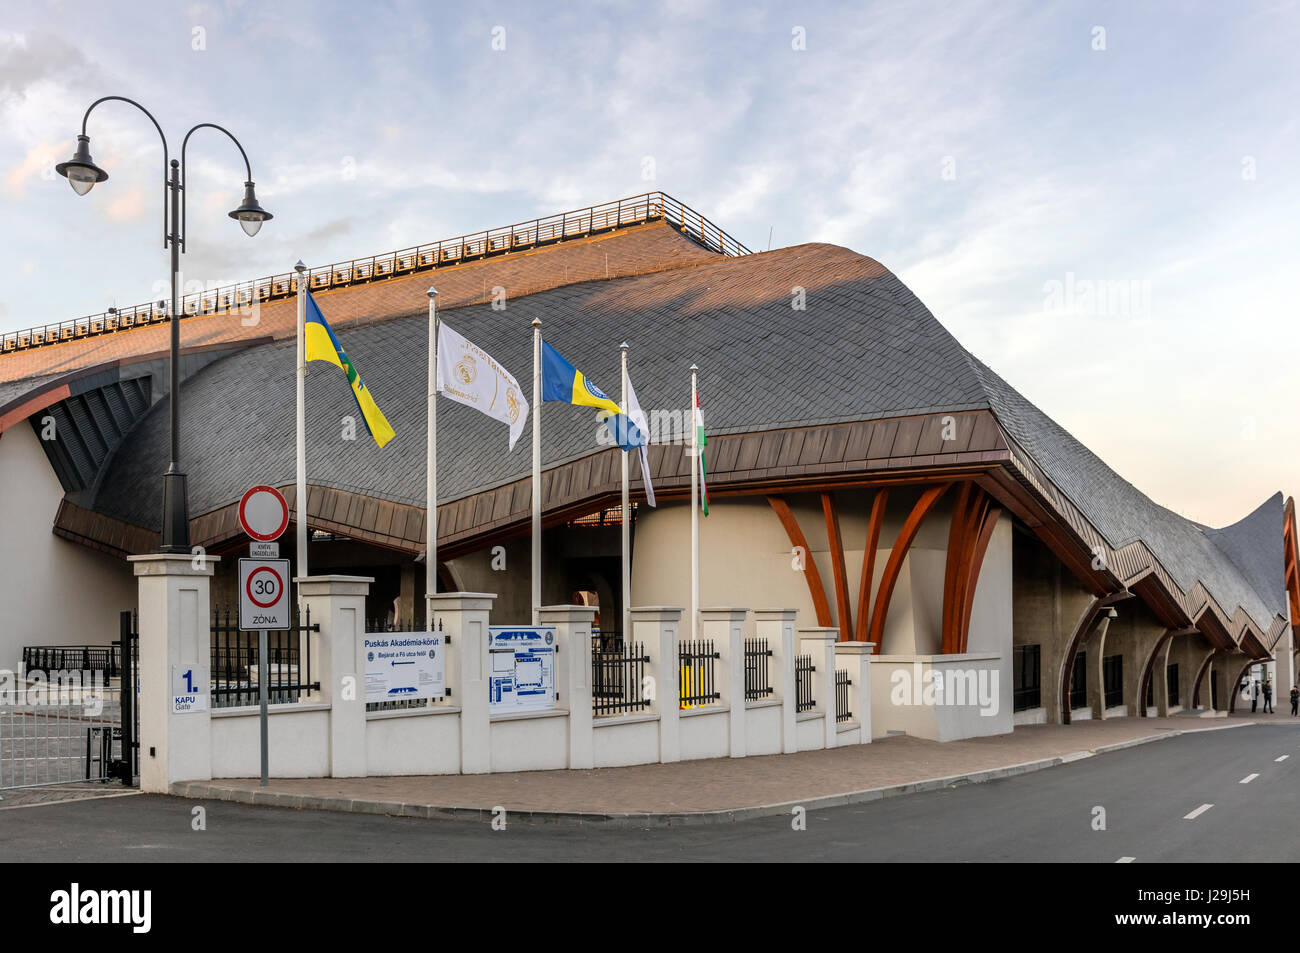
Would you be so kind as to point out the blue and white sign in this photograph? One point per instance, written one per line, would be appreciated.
(189, 688)
(521, 674)
(404, 665)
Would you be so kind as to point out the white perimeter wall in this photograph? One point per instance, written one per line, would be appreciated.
(52, 591)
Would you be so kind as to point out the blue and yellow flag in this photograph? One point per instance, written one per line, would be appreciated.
(562, 382)
(320, 344)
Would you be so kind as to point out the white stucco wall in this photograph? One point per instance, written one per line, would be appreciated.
(297, 742)
(52, 591)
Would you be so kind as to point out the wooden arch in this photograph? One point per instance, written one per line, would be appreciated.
(894, 564)
(974, 518)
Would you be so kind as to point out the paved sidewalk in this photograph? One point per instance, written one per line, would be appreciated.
(723, 789)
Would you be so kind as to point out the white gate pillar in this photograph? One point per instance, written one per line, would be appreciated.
(338, 605)
(726, 627)
(819, 642)
(656, 628)
(856, 657)
(175, 630)
(777, 627)
(464, 618)
(573, 676)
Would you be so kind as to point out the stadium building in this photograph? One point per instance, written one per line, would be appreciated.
(865, 469)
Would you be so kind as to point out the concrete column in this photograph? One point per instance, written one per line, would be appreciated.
(726, 627)
(338, 654)
(656, 627)
(175, 632)
(777, 626)
(855, 657)
(573, 675)
(407, 594)
(1096, 642)
(1160, 674)
(819, 642)
(464, 618)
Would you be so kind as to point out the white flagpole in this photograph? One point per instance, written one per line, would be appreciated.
(627, 519)
(300, 500)
(695, 512)
(537, 471)
(431, 459)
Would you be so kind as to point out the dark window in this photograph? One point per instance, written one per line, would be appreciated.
(1027, 692)
(1079, 681)
(1214, 690)
(1171, 673)
(1112, 680)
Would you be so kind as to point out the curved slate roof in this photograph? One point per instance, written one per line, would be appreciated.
(1122, 513)
(863, 347)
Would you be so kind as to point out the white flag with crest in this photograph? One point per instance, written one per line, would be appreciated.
(468, 375)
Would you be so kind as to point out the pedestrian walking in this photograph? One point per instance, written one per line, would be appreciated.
(1295, 699)
(1268, 698)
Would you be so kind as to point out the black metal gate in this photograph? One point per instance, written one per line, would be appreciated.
(126, 768)
(63, 721)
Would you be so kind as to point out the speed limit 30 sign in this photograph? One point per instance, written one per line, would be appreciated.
(263, 594)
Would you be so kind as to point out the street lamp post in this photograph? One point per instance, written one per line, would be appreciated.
(83, 174)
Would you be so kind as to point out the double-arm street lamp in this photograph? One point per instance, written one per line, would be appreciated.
(82, 174)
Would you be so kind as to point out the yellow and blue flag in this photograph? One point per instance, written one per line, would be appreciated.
(320, 344)
(562, 382)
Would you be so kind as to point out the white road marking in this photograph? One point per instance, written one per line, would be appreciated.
(1283, 758)
(1198, 812)
(1126, 860)
(1248, 778)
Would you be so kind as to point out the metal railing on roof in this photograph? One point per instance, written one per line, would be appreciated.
(535, 233)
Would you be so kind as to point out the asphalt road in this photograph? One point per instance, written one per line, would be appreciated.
(1147, 793)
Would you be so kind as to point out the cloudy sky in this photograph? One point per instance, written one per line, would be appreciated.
(1099, 200)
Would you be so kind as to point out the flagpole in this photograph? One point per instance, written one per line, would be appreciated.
(431, 458)
(537, 471)
(627, 517)
(300, 491)
(695, 511)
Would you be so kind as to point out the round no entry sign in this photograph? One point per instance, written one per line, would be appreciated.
(263, 513)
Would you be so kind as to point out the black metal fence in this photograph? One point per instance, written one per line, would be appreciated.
(803, 684)
(73, 658)
(842, 710)
(697, 673)
(758, 661)
(617, 675)
(236, 666)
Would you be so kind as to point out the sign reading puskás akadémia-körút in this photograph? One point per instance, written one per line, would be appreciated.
(402, 665)
(522, 663)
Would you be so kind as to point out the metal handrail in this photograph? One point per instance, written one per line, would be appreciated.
(475, 246)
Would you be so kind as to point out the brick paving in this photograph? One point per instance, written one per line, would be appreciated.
(728, 784)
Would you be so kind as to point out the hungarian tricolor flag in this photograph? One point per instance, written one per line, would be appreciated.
(700, 441)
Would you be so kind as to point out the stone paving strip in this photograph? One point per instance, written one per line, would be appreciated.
(715, 790)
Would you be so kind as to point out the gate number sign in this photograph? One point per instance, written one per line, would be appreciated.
(263, 594)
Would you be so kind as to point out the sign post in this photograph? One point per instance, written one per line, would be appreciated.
(264, 587)
(263, 605)
(263, 676)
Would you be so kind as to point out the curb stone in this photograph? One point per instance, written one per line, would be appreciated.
(642, 820)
